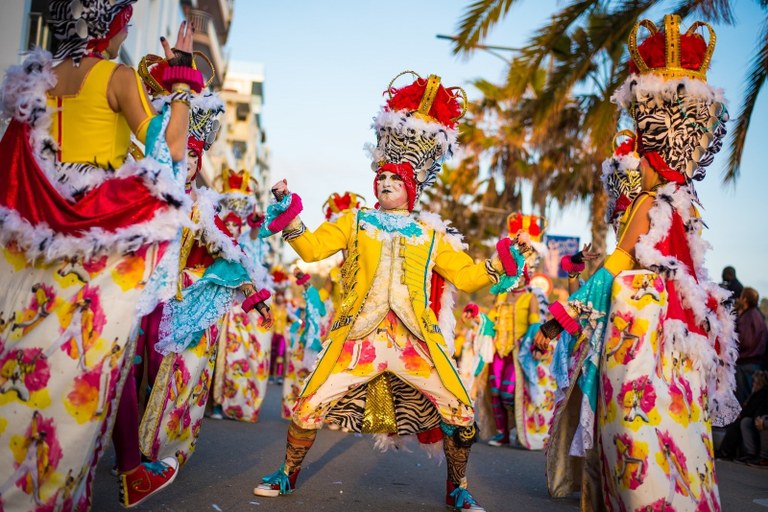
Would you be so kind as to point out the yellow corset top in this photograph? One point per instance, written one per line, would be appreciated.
(512, 320)
(85, 127)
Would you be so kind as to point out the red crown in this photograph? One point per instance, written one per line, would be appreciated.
(532, 224)
(428, 99)
(337, 204)
(279, 275)
(670, 54)
(235, 181)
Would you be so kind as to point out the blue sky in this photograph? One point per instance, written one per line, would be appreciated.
(327, 64)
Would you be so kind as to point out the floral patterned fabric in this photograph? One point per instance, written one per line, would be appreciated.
(535, 396)
(655, 438)
(390, 348)
(242, 365)
(64, 354)
(175, 408)
(296, 370)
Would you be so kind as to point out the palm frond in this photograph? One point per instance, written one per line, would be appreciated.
(716, 11)
(755, 79)
(478, 19)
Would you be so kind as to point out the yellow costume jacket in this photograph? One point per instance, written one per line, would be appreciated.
(433, 250)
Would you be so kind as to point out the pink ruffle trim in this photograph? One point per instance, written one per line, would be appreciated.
(303, 279)
(260, 296)
(281, 221)
(255, 221)
(181, 74)
(563, 318)
(567, 264)
(507, 261)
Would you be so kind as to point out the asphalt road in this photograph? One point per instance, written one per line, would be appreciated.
(343, 472)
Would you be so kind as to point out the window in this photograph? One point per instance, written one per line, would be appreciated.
(238, 149)
(241, 111)
(39, 34)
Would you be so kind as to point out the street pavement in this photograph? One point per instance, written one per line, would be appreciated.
(343, 472)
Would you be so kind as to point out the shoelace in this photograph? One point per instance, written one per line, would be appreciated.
(461, 496)
(157, 467)
(280, 479)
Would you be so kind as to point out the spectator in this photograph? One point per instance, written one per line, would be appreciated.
(731, 283)
(753, 332)
(743, 433)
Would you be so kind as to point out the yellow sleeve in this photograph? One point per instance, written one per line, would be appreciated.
(325, 241)
(141, 131)
(533, 311)
(460, 269)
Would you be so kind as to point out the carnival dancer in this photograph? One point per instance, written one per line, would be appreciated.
(277, 355)
(278, 343)
(519, 380)
(386, 366)
(478, 350)
(305, 342)
(125, 437)
(212, 271)
(244, 342)
(82, 230)
(648, 341)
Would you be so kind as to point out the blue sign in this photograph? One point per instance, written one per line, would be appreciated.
(557, 247)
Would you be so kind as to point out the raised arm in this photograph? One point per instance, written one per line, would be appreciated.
(127, 95)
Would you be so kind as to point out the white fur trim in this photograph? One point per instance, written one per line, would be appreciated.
(206, 100)
(40, 241)
(446, 137)
(394, 442)
(718, 367)
(207, 202)
(446, 319)
(638, 86)
(435, 222)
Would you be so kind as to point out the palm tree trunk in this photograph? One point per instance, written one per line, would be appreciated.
(599, 227)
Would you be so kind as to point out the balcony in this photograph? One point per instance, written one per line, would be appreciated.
(206, 40)
(221, 14)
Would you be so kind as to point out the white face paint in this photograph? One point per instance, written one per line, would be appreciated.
(192, 159)
(391, 191)
(233, 228)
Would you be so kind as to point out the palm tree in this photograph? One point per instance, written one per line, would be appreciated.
(607, 24)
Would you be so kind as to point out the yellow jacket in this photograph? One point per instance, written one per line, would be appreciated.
(434, 251)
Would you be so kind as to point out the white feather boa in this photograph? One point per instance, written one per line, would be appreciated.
(715, 354)
(23, 99)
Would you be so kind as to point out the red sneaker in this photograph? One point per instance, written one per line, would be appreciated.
(277, 483)
(147, 479)
(459, 499)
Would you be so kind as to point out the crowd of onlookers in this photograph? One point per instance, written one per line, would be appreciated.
(746, 440)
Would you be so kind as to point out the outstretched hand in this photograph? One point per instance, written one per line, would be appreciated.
(541, 342)
(588, 254)
(183, 40)
(280, 189)
(266, 315)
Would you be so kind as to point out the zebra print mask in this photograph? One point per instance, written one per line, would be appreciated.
(75, 22)
(620, 180)
(685, 129)
(401, 137)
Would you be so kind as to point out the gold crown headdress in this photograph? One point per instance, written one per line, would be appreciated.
(531, 224)
(418, 126)
(670, 54)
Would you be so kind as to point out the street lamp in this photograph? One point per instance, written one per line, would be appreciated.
(489, 48)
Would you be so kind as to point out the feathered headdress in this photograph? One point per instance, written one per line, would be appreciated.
(416, 128)
(679, 119)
